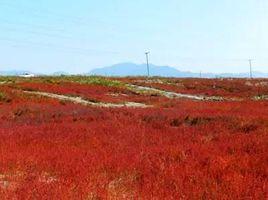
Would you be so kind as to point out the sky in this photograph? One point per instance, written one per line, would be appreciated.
(77, 36)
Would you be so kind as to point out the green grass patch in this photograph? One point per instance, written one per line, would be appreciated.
(94, 80)
(4, 98)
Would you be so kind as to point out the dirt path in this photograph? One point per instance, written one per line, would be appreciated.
(260, 98)
(142, 89)
(79, 100)
(174, 94)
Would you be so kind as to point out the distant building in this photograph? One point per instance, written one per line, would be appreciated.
(27, 75)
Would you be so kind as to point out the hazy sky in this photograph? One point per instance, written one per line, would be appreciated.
(77, 36)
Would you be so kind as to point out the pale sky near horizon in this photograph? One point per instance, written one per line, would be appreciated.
(77, 36)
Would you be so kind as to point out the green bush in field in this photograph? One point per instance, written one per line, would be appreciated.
(94, 80)
(100, 81)
(4, 97)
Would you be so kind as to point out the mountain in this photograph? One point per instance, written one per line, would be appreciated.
(14, 72)
(131, 69)
(256, 74)
(25, 72)
(60, 73)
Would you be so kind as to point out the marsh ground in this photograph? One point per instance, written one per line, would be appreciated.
(176, 148)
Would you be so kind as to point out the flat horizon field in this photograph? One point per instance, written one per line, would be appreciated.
(90, 138)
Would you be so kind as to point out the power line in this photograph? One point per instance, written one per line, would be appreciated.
(34, 26)
(65, 18)
(147, 61)
(38, 33)
(250, 68)
(27, 28)
(61, 47)
(59, 17)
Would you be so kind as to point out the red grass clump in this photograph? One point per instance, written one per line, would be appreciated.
(94, 93)
(179, 150)
(240, 88)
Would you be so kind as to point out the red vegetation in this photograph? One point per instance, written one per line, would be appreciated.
(179, 150)
(241, 88)
(94, 93)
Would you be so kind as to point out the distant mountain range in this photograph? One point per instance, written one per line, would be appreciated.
(131, 69)
(14, 72)
(60, 73)
(23, 72)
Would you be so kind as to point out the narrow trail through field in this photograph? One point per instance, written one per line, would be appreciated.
(81, 101)
(172, 95)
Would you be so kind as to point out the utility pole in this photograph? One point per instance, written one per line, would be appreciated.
(250, 68)
(147, 60)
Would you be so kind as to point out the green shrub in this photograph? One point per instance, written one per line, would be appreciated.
(4, 98)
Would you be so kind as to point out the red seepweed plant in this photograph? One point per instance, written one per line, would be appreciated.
(179, 149)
